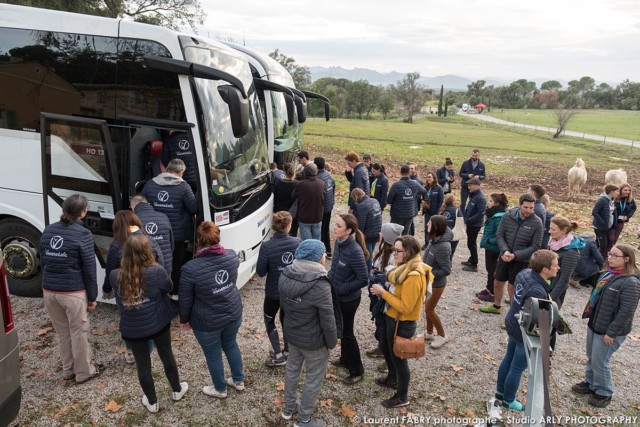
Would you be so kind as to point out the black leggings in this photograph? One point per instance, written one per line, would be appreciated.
(602, 239)
(349, 349)
(143, 363)
(271, 307)
(398, 368)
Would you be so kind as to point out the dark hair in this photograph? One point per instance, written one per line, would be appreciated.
(404, 170)
(208, 234)
(352, 156)
(438, 227)
(435, 179)
(72, 208)
(121, 223)
(630, 267)
(476, 150)
(526, 197)
(384, 253)
(610, 188)
(289, 170)
(366, 156)
(541, 259)
(500, 199)
(281, 220)
(378, 166)
(410, 245)
(351, 223)
(448, 161)
(303, 155)
(538, 190)
(319, 161)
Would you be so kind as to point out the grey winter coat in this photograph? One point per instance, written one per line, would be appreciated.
(438, 257)
(521, 238)
(613, 315)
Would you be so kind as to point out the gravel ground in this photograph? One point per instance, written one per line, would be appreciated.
(454, 381)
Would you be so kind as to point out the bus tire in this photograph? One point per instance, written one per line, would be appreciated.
(20, 244)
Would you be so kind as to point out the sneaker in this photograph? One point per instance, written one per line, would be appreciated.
(466, 263)
(374, 352)
(485, 291)
(338, 362)
(382, 368)
(490, 308)
(385, 382)
(583, 388)
(472, 268)
(599, 401)
(99, 369)
(507, 300)
(311, 422)
(287, 413)
(430, 337)
(210, 390)
(395, 402)
(239, 386)
(177, 395)
(152, 408)
(514, 406)
(488, 297)
(273, 361)
(440, 341)
(128, 357)
(352, 379)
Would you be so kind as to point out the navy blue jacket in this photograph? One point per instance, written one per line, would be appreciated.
(435, 197)
(590, 263)
(275, 254)
(178, 146)
(625, 209)
(540, 211)
(547, 226)
(450, 213)
(467, 169)
(115, 255)
(369, 217)
(283, 194)
(177, 202)
(474, 214)
(381, 190)
(443, 174)
(68, 259)
(348, 270)
(158, 227)
(601, 213)
(529, 284)
(209, 295)
(154, 311)
(358, 179)
(403, 196)
(329, 189)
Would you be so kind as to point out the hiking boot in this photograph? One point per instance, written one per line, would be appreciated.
(472, 268)
(385, 382)
(311, 422)
(287, 414)
(440, 341)
(239, 386)
(599, 401)
(374, 352)
(490, 308)
(177, 395)
(514, 406)
(488, 297)
(152, 408)
(352, 379)
(466, 263)
(338, 362)
(128, 357)
(273, 361)
(583, 388)
(210, 390)
(382, 368)
(395, 402)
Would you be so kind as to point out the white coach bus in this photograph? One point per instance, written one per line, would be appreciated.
(84, 101)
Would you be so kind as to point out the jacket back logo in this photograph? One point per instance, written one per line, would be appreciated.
(221, 276)
(151, 228)
(287, 258)
(183, 144)
(56, 242)
(163, 196)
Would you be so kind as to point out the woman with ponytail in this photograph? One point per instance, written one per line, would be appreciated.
(349, 275)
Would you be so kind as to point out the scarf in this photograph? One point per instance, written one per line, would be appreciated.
(494, 210)
(373, 187)
(556, 245)
(597, 291)
(213, 249)
(401, 272)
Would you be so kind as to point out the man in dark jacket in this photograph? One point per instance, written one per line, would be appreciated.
(530, 283)
(538, 191)
(170, 194)
(446, 176)
(590, 263)
(380, 185)
(176, 145)
(402, 198)
(474, 219)
(471, 168)
(357, 175)
(519, 236)
(329, 202)
(310, 195)
(157, 226)
(366, 159)
(311, 328)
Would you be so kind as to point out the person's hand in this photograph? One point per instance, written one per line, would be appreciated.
(377, 289)
(91, 307)
(507, 256)
(608, 340)
(107, 295)
(185, 327)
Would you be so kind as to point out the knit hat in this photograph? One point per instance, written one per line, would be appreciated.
(311, 170)
(311, 250)
(588, 235)
(391, 231)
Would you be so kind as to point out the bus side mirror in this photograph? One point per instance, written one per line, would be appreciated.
(301, 107)
(238, 109)
(290, 108)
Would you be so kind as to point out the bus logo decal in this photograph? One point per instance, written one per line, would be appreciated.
(183, 144)
(151, 228)
(56, 242)
(287, 258)
(221, 276)
(163, 196)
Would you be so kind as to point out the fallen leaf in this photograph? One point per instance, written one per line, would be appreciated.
(100, 386)
(41, 372)
(99, 332)
(278, 401)
(634, 336)
(114, 328)
(637, 406)
(259, 335)
(468, 413)
(450, 410)
(112, 406)
(457, 368)
(44, 330)
(458, 323)
(347, 411)
(403, 410)
(332, 377)
(131, 411)
(328, 403)
(474, 307)
(445, 379)
(122, 350)
(280, 385)
(94, 422)
(489, 357)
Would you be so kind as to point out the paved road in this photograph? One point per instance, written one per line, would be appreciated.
(600, 138)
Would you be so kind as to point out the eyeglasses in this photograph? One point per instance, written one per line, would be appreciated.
(612, 255)
(397, 251)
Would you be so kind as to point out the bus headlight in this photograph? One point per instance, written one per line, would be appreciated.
(241, 256)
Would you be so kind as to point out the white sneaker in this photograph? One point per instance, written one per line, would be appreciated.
(430, 337)
(152, 408)
(210, 390)
(177, 395)
(237, 385)
(440, 341)
(128, 357)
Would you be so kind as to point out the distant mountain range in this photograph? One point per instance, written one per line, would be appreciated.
(450, 81)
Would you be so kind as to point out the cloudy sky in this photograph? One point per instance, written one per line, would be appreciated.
(509, 39)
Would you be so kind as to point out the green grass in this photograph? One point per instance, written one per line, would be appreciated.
(619, 124)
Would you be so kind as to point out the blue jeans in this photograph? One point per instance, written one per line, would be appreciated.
(212, 343)
(598, 369)
(371, 245)
(310, 231)
(511, 369)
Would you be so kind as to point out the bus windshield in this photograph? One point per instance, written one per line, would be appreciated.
(235, 163)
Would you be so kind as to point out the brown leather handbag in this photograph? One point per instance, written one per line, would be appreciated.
(409, 348)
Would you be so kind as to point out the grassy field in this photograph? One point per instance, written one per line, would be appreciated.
(619, 124)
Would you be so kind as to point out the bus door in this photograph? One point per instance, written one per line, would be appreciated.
(78, 157)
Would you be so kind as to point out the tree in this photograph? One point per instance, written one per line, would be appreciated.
(386, 102)
(475, 91)
(362, 97)
(166, 13)
(551, 85)
(547, 98)
(563, 117)
(411, 93)
(301, 74)
(440, 99)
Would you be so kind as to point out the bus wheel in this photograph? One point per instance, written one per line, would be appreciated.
(20, 245)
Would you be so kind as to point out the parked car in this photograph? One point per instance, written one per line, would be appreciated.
(10, 389)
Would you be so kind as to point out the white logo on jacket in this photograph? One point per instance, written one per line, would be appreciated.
(221, 276)
(151, 228)
(56, 242)
(183, 144)
(163, 196)
(287, 258)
